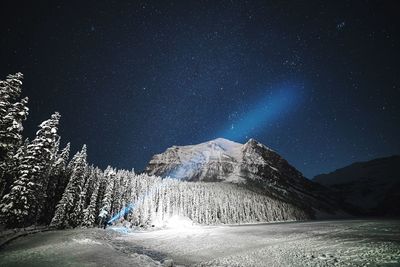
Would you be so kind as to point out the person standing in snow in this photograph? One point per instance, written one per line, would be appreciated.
(106, 219)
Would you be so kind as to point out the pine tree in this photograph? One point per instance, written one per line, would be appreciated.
(12, 113)
(56, 185)
(89, 214)
(24, 203)
(84, 197)
(65, 215)
(106, 202)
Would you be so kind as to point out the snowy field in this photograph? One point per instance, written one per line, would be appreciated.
(323, 243)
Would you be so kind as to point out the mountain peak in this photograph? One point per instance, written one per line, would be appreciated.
(251, 164)
(219, 159)
(221, 140)
(254, 143)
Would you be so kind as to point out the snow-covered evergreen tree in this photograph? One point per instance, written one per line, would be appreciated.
(65, 215)
(56, 185)
(106, 202)
(90, 213)
(24, 203)
(154, 200)
(13, 111)
(84, 198)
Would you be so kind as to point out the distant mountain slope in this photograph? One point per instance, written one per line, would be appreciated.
(372, 186)
(251, 165)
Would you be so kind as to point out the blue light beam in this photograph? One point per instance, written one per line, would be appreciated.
(121, 213)
(133, 206)
(270, 108)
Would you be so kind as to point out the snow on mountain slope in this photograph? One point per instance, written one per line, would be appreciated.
(216, 160)
(198, 162)
(252, 165)
(372, 186)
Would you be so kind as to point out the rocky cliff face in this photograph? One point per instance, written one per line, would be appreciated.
(251, 165)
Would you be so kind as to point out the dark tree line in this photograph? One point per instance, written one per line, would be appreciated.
(41, 185)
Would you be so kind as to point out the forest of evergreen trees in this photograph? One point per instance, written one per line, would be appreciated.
(41, 185)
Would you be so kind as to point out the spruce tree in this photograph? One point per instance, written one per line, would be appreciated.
(56, 185)
(106, 202)
(65, 216)
(89, 213)
(23, 204)
(13, 111)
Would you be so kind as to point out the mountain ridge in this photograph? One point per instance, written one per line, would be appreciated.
(371, 186)
(252, 165)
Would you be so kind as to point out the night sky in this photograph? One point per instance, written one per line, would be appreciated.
(317, 81)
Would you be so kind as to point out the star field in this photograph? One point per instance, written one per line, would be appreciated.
(133, 78)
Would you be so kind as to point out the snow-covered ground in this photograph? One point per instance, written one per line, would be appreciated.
(324, 243)
(78, 247)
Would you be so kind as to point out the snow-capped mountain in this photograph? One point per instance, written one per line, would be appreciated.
(251, 165)
(216, 160)
(372, 186)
